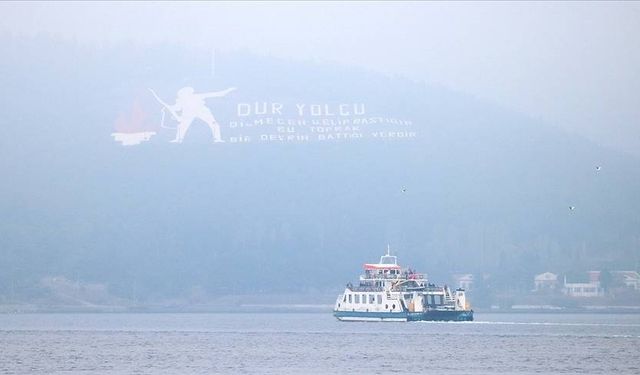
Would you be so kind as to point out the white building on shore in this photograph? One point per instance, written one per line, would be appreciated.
(545, 281)
(630, 279)
(590, 289)
(464, 281)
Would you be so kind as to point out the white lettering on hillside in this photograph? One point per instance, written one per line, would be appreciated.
(300, 109)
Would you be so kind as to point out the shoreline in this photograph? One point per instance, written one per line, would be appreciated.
(282, 308)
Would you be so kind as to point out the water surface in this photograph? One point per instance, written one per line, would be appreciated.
(316, 343)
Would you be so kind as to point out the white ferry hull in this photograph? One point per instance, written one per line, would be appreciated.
(369, 319)
(370, 316)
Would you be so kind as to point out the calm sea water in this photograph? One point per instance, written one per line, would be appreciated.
(316, 343)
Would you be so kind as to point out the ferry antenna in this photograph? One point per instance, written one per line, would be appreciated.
(213, 63)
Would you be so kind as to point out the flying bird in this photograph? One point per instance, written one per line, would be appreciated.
(598, 168)
(404, 189)
(571, 208)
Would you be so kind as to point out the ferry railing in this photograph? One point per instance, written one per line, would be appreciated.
(364, 288)
(404, 276)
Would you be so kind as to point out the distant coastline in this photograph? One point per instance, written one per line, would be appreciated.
(284, 308)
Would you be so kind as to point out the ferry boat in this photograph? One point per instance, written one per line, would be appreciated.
(386, 292)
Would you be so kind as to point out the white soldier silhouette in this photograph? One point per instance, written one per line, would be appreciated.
(192, 106)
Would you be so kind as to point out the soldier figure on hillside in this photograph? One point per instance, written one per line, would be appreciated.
(190, 106)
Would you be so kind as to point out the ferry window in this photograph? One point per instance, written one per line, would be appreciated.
(379, 297)
(372, 298)
(364, 298)
(388, 260)
(440, 300)
(344, 299)
(393, 306)
(349, 298)
(357, 298)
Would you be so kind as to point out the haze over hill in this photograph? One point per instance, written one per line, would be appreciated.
(475, 188)
(573, 63)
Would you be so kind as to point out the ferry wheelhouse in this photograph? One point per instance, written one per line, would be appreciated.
(386, 292)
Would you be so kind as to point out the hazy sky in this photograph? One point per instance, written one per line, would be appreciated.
(573, 64)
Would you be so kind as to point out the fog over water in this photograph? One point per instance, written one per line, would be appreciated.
(485, 139)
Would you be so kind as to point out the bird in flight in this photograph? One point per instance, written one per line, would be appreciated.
(571, 208)
(598, 168)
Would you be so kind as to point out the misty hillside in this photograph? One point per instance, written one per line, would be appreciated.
(479, 189)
